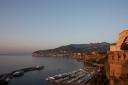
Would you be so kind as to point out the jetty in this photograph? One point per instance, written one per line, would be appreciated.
(7, 77)
(77, 77)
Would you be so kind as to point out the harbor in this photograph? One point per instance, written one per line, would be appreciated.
(77, 77)
(7, 77)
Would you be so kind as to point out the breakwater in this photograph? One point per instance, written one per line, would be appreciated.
(6, 77)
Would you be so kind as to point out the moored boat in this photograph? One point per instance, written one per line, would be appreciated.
(18, 73)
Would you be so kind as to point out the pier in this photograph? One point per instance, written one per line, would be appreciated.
(77, 77)
(6, 78)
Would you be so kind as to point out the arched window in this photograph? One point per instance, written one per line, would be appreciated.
(126, 40)
(124, 46)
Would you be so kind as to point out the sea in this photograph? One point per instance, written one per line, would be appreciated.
(52, 66)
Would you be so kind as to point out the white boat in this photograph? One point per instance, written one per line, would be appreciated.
(18, 73)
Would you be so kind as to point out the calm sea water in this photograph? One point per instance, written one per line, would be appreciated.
(53, 65)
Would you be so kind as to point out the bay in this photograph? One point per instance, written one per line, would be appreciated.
(53, 66)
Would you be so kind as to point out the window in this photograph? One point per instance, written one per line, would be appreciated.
(112, 57)
(124, 56)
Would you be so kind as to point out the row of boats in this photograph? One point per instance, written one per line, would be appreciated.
(80, 76)
(77, 77)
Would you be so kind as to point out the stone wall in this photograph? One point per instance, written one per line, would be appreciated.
(118, 61)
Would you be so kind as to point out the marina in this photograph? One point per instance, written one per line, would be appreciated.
(77, 77)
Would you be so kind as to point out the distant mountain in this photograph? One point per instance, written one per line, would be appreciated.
(16, 54)
(74, 48)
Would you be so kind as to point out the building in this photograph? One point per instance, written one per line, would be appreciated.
(118, 60)
(122, 38)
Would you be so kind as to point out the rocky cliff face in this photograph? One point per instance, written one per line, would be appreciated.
(68, 50)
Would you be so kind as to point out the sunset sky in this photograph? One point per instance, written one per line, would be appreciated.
(29, 25)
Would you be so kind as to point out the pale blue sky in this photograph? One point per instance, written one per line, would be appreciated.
(29, 25)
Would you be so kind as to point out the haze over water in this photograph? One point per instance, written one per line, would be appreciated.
(53, 66)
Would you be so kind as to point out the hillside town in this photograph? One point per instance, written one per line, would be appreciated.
(113, 63)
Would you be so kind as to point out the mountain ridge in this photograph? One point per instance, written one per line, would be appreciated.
(102, 47)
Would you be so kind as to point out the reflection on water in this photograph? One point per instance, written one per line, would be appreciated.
(52, 66)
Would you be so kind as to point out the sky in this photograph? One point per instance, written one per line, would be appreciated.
(30, 25)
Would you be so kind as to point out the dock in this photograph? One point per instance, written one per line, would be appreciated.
(77, 77)
(7, 77)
